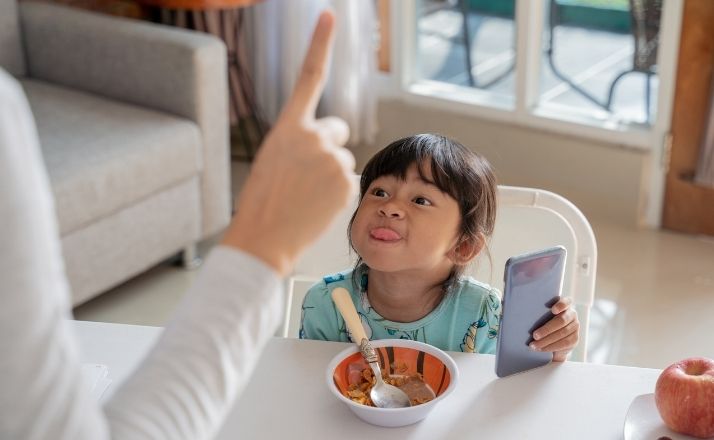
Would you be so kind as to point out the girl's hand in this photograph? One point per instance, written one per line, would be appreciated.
(560, 334)
(302, 177)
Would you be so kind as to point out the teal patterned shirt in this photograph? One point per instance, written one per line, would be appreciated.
(467, 319)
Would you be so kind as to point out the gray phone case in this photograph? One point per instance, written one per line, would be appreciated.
(532, 284)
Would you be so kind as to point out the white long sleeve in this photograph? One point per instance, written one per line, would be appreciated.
(204, 357)
(188, 381)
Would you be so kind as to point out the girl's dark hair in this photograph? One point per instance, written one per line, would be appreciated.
(463, 174)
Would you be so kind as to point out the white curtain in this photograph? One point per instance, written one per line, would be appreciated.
(705, 167)
(281, 31)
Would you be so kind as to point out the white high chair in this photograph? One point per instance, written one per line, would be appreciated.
(528, 219)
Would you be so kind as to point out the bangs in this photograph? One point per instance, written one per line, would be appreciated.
(447, 171)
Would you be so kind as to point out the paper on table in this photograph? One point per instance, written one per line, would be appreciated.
(96, 377)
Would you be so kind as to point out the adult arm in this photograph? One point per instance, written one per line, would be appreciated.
(207, 365)
(189, 380)
(41, 390)
(185, 385)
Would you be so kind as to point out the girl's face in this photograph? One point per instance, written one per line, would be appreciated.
(406, 225)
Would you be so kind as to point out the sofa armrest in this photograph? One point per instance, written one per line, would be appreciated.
(171, 70)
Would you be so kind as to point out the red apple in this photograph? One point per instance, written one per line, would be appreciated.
(684, 395)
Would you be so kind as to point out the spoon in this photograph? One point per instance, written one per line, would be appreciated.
(383, 395)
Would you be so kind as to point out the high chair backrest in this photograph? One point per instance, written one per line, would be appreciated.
(528, 219)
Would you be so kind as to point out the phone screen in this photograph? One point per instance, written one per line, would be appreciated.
(533, 283)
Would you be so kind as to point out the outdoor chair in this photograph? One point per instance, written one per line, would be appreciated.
(644, 24)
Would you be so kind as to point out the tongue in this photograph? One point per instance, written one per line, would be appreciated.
(385, 234)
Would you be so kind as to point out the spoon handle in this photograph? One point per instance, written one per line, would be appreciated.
(343, 301)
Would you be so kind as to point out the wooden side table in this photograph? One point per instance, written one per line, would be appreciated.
(224, 19)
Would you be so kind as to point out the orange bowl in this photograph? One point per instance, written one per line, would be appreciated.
(396, 357)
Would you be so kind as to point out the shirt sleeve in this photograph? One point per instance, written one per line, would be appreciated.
(187, 382)
(490, 319)
(41, 390)
(319, 316)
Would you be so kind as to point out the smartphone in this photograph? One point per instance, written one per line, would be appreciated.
(532, 285)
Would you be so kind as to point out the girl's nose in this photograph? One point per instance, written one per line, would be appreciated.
(391, 210)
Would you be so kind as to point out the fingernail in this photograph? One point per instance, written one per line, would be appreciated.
(533, 346)
(536, 336)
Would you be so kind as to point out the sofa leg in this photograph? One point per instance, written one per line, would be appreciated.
(190, 259)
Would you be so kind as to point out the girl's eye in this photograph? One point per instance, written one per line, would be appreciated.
(422, 201)
(379, 192)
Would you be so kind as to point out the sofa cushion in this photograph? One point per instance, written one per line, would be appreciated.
(12, 57)
(103, 155)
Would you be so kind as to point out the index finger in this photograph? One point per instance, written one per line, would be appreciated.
(306, 94)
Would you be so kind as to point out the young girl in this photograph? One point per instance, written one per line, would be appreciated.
(427, 207)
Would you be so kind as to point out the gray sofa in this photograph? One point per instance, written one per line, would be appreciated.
(132, 121)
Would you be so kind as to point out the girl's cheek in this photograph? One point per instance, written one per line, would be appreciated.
(354, 230)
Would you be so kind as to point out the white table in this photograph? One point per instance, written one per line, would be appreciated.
(288, 398)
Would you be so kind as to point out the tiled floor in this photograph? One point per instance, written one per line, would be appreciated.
(655, 296)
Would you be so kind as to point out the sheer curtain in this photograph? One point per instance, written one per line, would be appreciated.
(281, 31)
(705, 167)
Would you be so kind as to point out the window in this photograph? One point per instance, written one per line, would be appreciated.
(600, 57)
(468, 43)
(590, 67)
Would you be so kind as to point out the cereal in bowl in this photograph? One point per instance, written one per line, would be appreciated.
(361, 381)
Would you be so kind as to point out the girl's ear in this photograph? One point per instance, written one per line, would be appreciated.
(467, 249)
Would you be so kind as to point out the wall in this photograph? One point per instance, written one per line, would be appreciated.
(602, 180)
